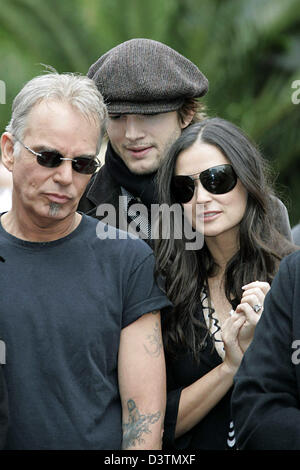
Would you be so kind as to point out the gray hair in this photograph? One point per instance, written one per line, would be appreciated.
(77, 90)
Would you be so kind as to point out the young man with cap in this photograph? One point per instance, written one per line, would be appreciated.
(150, 91)
(151, 94)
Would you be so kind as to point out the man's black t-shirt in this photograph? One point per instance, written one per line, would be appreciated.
(63, 305)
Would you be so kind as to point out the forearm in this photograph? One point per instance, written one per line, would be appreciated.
(199, 398)
(142, 384)
(142, 430)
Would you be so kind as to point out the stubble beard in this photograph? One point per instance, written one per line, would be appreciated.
(156, 163)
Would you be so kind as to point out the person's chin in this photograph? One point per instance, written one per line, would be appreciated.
(55, 211)
(143, 168)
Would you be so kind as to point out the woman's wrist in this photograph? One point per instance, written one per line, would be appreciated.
(228, 370)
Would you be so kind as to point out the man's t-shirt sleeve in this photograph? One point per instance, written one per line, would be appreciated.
(143, 295)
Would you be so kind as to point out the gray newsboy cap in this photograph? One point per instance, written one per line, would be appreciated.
(143, 76)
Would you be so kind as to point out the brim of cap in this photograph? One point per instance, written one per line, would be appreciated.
(144, 108)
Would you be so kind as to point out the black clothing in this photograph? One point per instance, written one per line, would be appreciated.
(213, 431)
(3, 410)
(3, 391)
(102, 189)
(63, 306)
(140, 186)
(114, 186)
(266, 396)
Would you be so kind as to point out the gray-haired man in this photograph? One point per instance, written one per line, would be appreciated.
(79, 315)
(152, 94)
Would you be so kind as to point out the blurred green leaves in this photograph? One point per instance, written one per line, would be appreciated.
(248, 49)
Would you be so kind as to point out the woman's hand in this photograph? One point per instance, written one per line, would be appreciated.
(251, 307)
(230, 335)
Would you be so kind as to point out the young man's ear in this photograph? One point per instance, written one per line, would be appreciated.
(187, 119)
(7, 150)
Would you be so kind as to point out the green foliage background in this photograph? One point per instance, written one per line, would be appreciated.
(248, 49)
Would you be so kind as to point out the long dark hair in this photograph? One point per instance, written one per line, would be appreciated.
(261, 246)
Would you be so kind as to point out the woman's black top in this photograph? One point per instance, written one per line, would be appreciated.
(215, 430)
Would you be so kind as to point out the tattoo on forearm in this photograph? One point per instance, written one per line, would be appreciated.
(137, 425)
(154, 346)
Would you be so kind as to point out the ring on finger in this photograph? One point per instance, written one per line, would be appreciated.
(257, 308)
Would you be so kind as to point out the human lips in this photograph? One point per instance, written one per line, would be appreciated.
(210, 215)
(58, 198)
(139, 151)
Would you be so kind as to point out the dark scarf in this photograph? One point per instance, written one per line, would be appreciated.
(142, 186)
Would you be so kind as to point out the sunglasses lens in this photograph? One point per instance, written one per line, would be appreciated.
(182, 188)
(219, 179)
(49, 159)
(85, 165)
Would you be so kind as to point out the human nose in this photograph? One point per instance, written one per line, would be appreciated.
(64, 173)
(201, 195)
(134, 129)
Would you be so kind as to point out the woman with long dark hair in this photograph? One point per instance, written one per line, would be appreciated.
(221, 182)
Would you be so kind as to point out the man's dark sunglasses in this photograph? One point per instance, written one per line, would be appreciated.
(86, 165)
(218, 179)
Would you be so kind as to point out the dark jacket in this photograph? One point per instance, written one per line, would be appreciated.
(266, 395)
(296, 234)
(103, 189)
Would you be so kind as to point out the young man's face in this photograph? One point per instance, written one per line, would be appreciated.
(143, 140)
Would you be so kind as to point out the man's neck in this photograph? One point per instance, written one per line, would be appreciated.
(31, 230)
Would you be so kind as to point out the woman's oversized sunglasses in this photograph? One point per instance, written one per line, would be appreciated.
(86, 165)
(218, 179)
